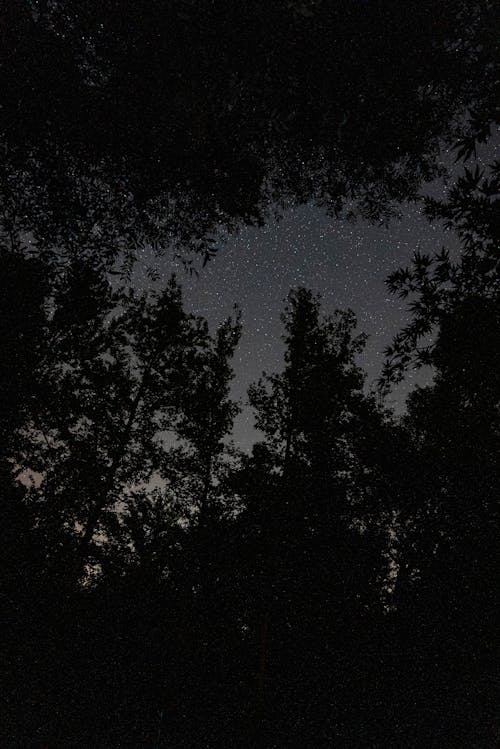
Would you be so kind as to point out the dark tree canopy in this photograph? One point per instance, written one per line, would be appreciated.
(166, 121)
(453, 298)
(336, 587)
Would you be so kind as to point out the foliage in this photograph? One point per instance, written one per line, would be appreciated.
(166, 122)
(442, 288)
(334, 587)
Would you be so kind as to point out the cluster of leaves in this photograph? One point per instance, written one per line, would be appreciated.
(109, 390)
(440, 287)
(169, 121)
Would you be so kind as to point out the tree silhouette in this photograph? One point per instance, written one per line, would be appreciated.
(123, 426)
(335, 587)
(315, 519)
(166, 121)
(449, 531)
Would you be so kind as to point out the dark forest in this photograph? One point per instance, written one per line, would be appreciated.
(337, 585)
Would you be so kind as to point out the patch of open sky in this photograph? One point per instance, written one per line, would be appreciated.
(346, 262)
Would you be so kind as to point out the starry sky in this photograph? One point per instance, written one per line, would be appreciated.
(346, 262)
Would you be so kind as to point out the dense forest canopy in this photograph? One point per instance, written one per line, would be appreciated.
(169, 121)
(336, 586)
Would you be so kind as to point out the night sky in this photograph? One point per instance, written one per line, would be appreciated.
(346, 262)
